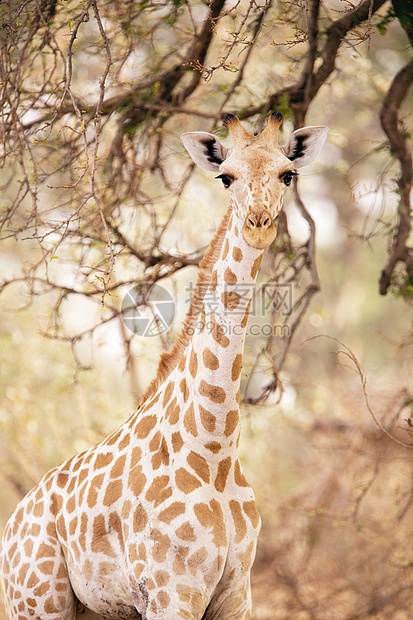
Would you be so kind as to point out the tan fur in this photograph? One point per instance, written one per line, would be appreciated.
(170, 359)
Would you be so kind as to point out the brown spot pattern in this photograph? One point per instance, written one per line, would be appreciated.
(196, 559)
(222, 474)
(245, 558)
(177, 441)
(199, 465)
(162, 456)
(45, 551)
(185, 481)
(161, 578)
(124, 443)
(161, 546)
(112, 439)
(239, 477)
(95, 486)
(236, 367)
(229, 276)
(212, 517)
(116, 525)
(159, 491)
(183, 386)
(210, 359)
(118, 467)
(100, 542)
(173, 511)
(190, 422)
(102, 460)
(213, 446)
(208, 420)
(213, 392)
(231, 423)
(239, 521)
(230, 299)
(172, 411)
(136, 480)
(193, 363)
(155, 442)
(168, 393)
(140, 519)
(252, 513)
(61, 480)
(256, 266)
(61, 528)
(186, 532)
(237, 254)
(144, 426)
(135, 457)
(179, 565)
(246, 315)
(73, 526)
(39, 509)
(163, 599)
(218, 333)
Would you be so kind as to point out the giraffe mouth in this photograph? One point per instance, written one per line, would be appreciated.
(259, 231)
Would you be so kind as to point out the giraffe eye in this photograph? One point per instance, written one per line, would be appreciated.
(226, 180)
(287, 177)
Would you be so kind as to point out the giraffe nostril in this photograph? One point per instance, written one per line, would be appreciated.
(258, 220)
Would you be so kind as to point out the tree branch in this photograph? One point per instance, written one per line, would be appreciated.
(399, 146)
(300, 94)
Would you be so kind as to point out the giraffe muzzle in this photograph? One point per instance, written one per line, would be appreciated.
(259, 230)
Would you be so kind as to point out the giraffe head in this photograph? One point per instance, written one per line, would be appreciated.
(256, 171)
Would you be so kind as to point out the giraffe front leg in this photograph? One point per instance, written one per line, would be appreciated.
(193, 594)
(182, 600)
(231, 601)
(232, 596)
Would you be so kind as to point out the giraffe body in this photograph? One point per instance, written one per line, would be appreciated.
(158, 521)
(82, 509)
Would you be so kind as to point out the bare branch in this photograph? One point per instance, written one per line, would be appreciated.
(400, 251)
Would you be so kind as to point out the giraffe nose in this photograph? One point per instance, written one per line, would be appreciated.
(258, 220)
(259, 230)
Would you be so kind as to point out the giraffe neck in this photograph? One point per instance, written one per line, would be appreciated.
(209, 372)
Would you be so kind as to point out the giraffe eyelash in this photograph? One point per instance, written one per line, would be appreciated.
(226, 179)
(288, 176)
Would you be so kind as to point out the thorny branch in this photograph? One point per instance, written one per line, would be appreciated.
(299, 95)
(107, 152)
(348, 353)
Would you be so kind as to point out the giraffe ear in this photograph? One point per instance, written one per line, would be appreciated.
(205, 149)
(304, 145)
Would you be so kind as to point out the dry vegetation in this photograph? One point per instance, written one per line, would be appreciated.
(98, 196)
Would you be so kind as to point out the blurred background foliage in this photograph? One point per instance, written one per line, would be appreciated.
(98, 195)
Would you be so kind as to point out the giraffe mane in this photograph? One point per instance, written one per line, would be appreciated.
(170, 359)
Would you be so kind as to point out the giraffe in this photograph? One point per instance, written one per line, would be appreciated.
(157, 521)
